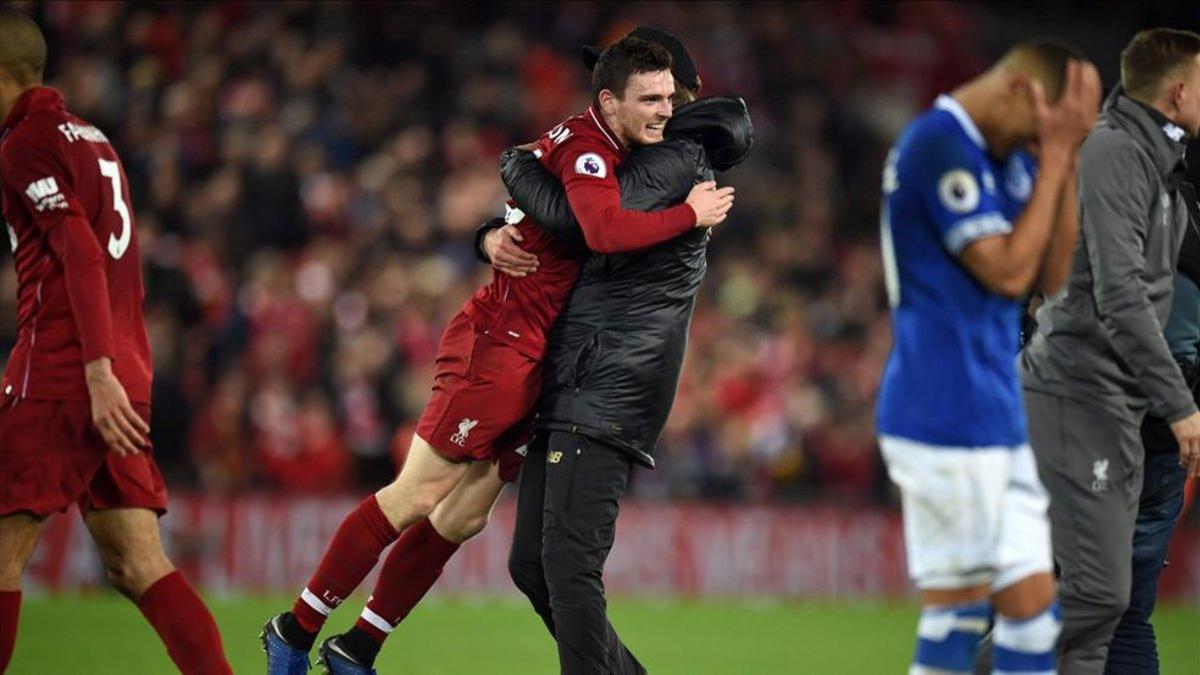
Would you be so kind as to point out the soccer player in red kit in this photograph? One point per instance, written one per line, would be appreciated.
(75, 398)
(487, 382)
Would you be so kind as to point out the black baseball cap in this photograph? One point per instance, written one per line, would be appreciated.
(682, 66)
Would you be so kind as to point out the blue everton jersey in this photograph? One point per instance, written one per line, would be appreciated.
(951, 379)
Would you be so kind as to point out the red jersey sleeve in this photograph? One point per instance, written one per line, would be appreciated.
(36, 169)
(586, 171)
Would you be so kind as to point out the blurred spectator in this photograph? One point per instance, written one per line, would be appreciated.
(307, 175)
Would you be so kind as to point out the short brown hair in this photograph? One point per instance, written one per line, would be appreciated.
(22, 47)
(1152, 55)
(1043, 59)
(683, 94)
(628, 56)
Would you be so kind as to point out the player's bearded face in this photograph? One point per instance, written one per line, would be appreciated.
(643, 111)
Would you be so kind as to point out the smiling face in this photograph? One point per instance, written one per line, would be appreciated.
(639, 116)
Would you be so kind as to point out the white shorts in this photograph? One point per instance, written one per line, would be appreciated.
(971, 515)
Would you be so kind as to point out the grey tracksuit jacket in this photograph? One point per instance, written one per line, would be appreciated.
(1100, 340)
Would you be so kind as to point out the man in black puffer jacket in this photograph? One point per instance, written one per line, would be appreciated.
(611, 372)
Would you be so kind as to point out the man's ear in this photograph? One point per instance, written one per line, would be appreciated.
(608, 101)
(1175, 94)
(1018, 85)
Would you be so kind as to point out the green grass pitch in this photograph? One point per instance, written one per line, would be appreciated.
(102, 633)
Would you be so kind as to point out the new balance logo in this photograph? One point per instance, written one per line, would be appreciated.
(45, 195)
(464, 429)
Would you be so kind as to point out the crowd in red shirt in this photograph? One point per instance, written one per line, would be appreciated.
(307, 176)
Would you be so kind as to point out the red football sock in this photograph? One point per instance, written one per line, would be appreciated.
(350, 557)
(10, 609)
(185, 626)
(411, 569)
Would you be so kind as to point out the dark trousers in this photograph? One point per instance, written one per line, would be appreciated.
(1133, 650)
(567, 507)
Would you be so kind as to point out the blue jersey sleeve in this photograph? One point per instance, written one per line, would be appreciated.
(956, 186)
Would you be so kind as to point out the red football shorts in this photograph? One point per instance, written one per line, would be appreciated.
(484, 392)
(51, 455)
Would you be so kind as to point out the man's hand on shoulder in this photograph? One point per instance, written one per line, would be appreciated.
(1187, 432)
(710, 203)
(501, 246)
(123, 430)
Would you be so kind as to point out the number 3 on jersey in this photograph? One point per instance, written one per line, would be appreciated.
(117, 244)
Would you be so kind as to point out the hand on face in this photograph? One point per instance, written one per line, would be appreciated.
(1062, 125)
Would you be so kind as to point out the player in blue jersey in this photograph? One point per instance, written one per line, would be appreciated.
(970, 224)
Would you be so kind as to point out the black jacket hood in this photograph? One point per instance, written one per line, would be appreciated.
(721, 124)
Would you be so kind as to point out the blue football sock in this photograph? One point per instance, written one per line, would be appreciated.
(1026, 646)
(947, 637)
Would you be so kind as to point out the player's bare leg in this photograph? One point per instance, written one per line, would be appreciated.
(1027, 598)
(931, 597)
(19, 534)
(414, 564)
(131, 550)
(466, 510)
(424, 480)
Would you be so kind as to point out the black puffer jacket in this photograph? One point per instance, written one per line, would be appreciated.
(616, 351)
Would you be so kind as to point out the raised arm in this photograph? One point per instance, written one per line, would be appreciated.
(1010, 262)
(1056, 266)
(540, 195)
(650, 185)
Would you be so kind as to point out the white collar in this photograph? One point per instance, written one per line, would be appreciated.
(951, 105)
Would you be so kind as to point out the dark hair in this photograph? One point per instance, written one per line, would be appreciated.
(1152, 55)
(1046, 59)
(22, 47)
(628, 56)
(683, 94)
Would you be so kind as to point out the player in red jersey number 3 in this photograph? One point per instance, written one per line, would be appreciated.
(75, 397)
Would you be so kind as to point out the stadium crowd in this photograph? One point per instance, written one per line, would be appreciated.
(307, 177)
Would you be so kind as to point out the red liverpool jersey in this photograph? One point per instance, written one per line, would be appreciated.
(75, 246)
(583, 153)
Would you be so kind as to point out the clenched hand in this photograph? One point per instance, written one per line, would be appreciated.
(123, 430)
